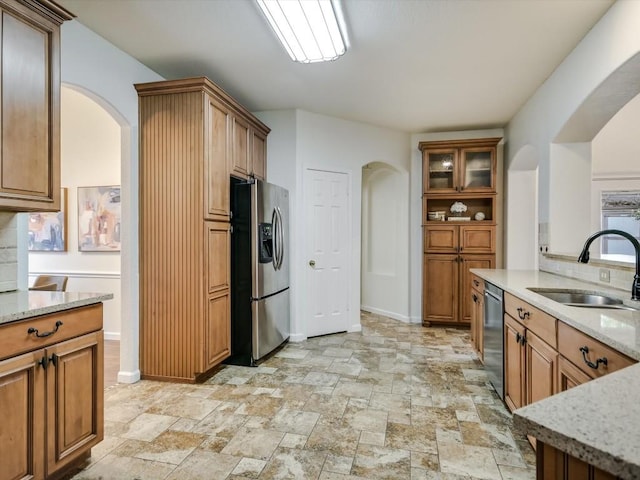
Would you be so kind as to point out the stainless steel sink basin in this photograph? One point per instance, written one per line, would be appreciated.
(576, 298)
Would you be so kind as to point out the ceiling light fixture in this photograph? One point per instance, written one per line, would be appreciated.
(308, 29)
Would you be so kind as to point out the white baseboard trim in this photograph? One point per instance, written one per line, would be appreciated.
(385, 313)
(416, 320)
(128, 377)
(112, 336)
(297, 337)
(356, 327)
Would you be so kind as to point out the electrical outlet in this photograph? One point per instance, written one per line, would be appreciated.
(605, 275)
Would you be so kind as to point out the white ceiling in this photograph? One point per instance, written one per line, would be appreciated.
(412, 65)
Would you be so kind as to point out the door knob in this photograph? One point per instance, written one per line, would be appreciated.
(312, 263)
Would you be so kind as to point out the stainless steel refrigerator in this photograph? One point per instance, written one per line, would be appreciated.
(260, 320)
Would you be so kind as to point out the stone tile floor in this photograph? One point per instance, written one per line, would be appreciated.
(396, 401)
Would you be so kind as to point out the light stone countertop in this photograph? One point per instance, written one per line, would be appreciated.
(23, 304)
(597, 422)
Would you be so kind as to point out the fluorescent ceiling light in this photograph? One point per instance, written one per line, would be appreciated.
(308, 29)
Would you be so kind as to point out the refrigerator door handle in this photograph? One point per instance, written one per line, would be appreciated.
(276, 239)
(280, 238)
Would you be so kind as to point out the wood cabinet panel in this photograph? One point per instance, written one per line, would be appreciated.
(241, 165)
(218, 256)
(569, 375)
(441, 285)
(570, 345)
(478, 239)
(30, 105)
(539, 322)
(542, 365)
(218, 329)
(514, 364)
(15, 338)
(467, 262)
(477, 322)
(218, 151)
(75, 393)
(259, 155)
(553, 464)
(22, 417)
(441, 239)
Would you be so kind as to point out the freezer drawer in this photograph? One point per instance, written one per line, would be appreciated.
(270, 323)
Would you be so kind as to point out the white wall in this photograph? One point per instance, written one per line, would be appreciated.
(328, 143)
(99, 69)
(385, 259)
(90, 156)
(610, 44)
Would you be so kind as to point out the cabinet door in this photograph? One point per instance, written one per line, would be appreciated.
(218, 329)
(241, 148)
(29, 104)
(75, 399)
(22, 417)
(477, 169)
(468, 262)
(569, 375)
(218, 242)
(439, 170)
(441, 285)
(542, 365)
(477, 239)
(258, 155)
(217, 165)
(441, 239)
(513, 364)
(477, 323)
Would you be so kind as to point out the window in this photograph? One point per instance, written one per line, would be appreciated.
(618, 212)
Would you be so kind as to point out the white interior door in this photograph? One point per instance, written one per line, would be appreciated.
(327, 249)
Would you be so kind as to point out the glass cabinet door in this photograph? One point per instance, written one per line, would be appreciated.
(440, 172)
(477, 169)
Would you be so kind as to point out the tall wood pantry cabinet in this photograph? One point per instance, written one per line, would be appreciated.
(30, 104)
(193, 136)
(456, 171)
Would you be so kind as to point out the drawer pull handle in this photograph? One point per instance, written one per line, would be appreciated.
(475, 298)
(585, 351)
(44, 361)
(522, 315)
(476, 283)
(45, 334)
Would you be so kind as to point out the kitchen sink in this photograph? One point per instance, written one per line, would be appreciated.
(577, 298)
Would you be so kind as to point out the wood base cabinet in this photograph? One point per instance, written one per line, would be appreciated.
(553, 464)
(30, 104)
(52, 398)
(193, 137)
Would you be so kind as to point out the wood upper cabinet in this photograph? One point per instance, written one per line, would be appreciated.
(259, 155)
(52, 395)
(193, 136)
(30, 105)
(467, 166)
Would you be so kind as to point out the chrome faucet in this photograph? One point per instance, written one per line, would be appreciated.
(584, 256)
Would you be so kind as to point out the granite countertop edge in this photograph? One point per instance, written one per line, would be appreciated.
(23, 304)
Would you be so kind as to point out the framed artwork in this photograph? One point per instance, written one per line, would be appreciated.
(48, 230)
(99, 219)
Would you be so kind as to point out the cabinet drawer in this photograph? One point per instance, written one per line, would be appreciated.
(478, 239)
(441, 239)
(16, 339)
(477, 284)
(570, 343)
(539, 322)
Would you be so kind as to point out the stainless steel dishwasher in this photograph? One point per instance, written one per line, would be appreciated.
(494, 336)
